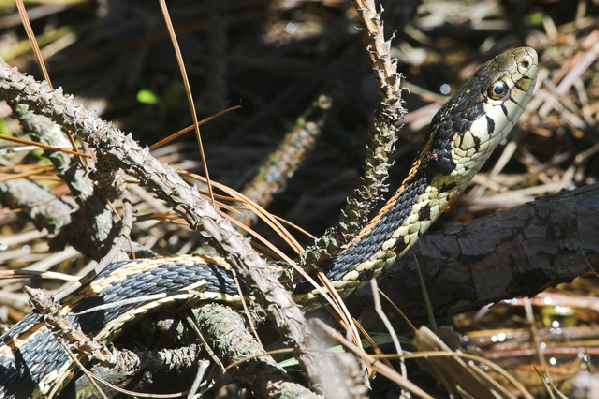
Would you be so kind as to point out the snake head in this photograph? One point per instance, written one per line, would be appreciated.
(481, 113)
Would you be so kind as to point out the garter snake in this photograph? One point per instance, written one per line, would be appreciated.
(461, 137)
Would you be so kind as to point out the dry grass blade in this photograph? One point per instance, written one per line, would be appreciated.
(192, 109)
(375, 347)
(181, 132)
(387, 323)
(32, 171)
(376, 364)
(28, 174)
(34, 45)
(259, 237)
(456, 373)
(40, 145)
(262, 213)
(293, 225)
(40, 58)
(10, 274)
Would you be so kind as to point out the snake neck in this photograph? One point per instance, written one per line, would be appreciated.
(406, 216)
(429, 189)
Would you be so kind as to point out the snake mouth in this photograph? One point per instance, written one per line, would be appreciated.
(526, 58)
(523, 72)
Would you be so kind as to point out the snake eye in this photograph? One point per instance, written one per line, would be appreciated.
(498, 90)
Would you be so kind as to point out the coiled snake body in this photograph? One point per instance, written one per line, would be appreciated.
(462, 136)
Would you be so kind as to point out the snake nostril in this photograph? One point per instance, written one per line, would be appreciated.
(525, 63)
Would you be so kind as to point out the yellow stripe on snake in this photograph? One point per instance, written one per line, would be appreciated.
(461, 138)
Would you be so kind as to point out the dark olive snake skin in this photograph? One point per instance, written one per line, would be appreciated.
(461, 138)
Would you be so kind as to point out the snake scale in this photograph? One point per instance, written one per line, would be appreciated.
(461, 137)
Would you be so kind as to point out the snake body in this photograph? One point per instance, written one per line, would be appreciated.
(461, 137)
